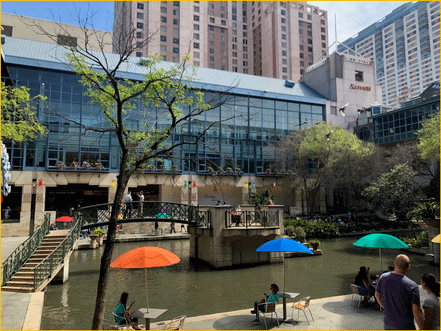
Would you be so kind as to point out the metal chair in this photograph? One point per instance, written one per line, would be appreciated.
(176, 323)
(358, 291)
(117, 326)
(302, 305)
(270, 308)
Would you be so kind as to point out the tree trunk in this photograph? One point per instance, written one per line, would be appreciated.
(103, 282)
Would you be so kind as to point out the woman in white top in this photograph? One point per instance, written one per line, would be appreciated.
(431, 303)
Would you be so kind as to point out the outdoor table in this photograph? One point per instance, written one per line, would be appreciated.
(286, 295)
(151, 314)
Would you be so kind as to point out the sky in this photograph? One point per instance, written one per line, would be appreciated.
(352, 16)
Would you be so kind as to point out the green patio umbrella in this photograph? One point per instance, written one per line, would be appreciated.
(162, 215)
(380, 241)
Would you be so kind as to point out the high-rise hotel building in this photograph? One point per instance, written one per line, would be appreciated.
(278, 39)
(405, 46)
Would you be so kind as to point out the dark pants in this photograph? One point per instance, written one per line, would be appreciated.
(129, 210)
(261, 308)
(133, 319)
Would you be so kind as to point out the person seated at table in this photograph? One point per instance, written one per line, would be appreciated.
(122, 314)
(362, 280)
(236, 215)
(272, 298)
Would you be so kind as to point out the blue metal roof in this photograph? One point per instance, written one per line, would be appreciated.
(50, 56)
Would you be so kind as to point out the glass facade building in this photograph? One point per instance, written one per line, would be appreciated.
(247, 124)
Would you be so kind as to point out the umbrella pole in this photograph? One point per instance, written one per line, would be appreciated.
(146, 292)
(381, 262)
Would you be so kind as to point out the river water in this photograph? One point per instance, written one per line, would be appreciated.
(185, 288)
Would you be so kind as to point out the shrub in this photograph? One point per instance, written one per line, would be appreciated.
(300, 233)
(314, 229)
(421, 241)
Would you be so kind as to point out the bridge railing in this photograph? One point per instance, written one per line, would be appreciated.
(147, 209)
(45, 268)
(24, 251)
(255, 218)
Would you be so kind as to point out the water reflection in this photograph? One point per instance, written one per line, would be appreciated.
(184, 289)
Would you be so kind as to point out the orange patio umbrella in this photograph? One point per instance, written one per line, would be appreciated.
(436, 239)
(144, 258)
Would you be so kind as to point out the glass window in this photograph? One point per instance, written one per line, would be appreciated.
(140, 5)
(175, 40)
(196, 45)
(139, 25)
(163, 19)
(163, 38)
(301, 15)
(164, 10)
(196, 36)
(176, 50)
(196, 17)
(196, 9)
(175, 21)
(176, 12)
(196, 27)
(163, 48)
(309, 17)
(140, 16)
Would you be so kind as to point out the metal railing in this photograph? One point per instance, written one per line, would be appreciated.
(204, 219)
(45, 268)
(24, 251)
(161, 211)
(256, 218)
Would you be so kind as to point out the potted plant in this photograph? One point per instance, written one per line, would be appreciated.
(174, 168)
(60, 164)
(314, 244)
(290, 230)
(162, 167)
(230, 170)
(238, 171)
(151, 167)
(99, 233)
(289, 172)
(268, 171)
(86, 165)
(74, 165)
(99, 166)
(209, 169)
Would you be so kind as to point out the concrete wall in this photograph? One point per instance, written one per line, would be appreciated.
(22, 28)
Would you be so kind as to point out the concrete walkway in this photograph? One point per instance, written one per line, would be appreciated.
(333, 313)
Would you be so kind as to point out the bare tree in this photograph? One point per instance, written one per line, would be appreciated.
(165, 88)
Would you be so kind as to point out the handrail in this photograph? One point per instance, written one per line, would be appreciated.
(257, 218)
(149, 210)
(18, 258)
(45, 268)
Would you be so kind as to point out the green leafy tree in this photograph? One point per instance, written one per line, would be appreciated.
(164, 86)
(429, 138)
(319, 155)
(19, 120)
(259, 199)
(393, 192)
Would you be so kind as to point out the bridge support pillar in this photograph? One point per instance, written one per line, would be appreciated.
(63, 274)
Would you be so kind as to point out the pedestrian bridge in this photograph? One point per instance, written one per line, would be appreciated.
(148, 211)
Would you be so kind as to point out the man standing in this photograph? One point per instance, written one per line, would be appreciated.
(128, 200)
(400, 297)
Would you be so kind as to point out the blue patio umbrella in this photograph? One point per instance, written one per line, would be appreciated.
(380, 241)
(284, 245)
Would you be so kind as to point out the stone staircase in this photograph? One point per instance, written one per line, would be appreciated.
(23, 281)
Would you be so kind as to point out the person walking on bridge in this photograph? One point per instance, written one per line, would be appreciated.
(128, 199)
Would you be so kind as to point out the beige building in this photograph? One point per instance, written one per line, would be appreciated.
(344, 79)
(65, 34)
(278, 39)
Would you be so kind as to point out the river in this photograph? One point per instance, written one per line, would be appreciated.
(192, 290)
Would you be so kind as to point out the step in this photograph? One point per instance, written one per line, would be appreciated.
(20, 283)
(18, 278)
(24, 274)
(39, 256)
(17, 289)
